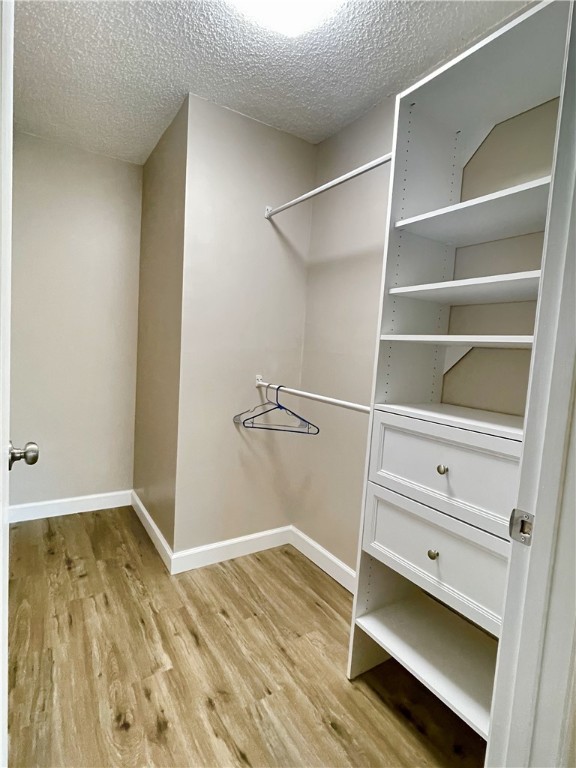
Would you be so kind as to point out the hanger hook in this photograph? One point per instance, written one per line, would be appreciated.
(278, 388)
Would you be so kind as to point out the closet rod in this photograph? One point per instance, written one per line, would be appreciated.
(269, 212)
(312, 396)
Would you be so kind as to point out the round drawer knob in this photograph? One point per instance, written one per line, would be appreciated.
(442, 469)
(433, 554)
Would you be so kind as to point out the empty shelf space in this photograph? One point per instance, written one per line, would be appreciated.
(494, 342)
(473, 419)
(519, 210)
(452, 657)
(495, 289)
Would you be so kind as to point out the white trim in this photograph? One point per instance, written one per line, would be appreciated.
(324, 559)
(156, 536)
(6, 118)
(531, 689)
(220, 551)
(18, 513)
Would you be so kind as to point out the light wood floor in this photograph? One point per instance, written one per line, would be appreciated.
(115, 663)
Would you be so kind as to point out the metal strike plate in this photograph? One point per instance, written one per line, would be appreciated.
(520, 527)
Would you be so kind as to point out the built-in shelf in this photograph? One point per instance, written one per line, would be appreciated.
(471, 419)
(494, 342)
(452, 657)
(495, 289)
(518, 210)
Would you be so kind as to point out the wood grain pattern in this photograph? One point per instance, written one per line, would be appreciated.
(115, 663)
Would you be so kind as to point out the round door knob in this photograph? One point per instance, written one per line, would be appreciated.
(442, 469)
(30, 453)
(433, 554)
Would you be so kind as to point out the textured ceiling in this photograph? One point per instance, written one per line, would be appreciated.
(109, 76)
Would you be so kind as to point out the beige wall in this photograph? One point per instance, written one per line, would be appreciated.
(294, 303)
(243, 314)
(75, 294)
(347, 241)
(295, 300)
(515, 151)
(159, 327)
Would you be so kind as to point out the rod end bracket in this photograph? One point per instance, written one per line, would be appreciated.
(267, 212)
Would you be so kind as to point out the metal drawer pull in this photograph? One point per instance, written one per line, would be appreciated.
(433, 554)
(442, 469)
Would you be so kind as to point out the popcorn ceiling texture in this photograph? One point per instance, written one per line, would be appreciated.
(109, 76)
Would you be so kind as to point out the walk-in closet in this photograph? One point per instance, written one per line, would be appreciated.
(287, 375)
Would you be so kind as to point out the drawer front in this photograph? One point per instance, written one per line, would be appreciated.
(480, 485)
(470, 569)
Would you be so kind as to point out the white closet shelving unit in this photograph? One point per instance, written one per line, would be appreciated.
(442, 478)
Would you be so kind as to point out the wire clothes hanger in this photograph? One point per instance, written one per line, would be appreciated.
(302, 427)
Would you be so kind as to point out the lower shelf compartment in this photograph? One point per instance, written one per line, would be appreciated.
(453, 658)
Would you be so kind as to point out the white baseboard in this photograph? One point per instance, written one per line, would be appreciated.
(324, 559)
(209, 554)
(164, 549)
(18, 513)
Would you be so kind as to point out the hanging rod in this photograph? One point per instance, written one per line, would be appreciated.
(269, 212)
(311, 396)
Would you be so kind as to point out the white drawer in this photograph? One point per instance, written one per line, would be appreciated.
(469, 573)
(481, 484)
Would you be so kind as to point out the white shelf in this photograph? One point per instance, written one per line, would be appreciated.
(453, 658)
(494, 342)
(495, 289)
(518, 210)
(474, 419)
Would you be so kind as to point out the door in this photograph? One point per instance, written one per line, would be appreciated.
(6, 55)
(531, 708)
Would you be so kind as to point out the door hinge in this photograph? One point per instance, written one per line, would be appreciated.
(520, 527)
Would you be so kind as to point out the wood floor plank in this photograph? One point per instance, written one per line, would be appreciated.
(301, 740)
(113, 662)
(354, 717)
(164, 742)
(130, 614)
(277, 584)
(216, 590)
(25, 546)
